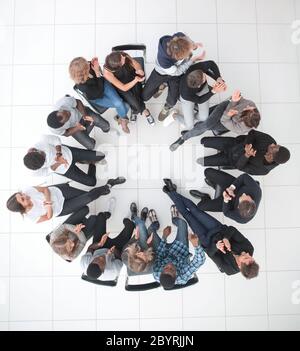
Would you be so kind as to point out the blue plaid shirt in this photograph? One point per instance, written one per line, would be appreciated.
(178, 254)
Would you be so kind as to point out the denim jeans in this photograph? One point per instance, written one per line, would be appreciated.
(111, 98)
(200, 222)
(144, 233)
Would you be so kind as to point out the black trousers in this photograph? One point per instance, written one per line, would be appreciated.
(212, 122)
(134, 98)
(80, 217)
(121, 240)
(75, 173)
(222, 144)
(153, 83)
(75, 198)
(83, 136)
(219, 178)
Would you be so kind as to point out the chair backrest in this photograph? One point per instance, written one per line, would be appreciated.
(192, 281)
(134, 47)
(140, 287)
(94, 107)
(110, 283)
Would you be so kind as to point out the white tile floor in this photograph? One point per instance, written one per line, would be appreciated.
(251, 41)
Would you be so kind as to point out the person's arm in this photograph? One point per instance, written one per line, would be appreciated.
(235, 236)
(193, 266)
(73, 130)
(48, 203)
(211, 69)
(80, 107)
(118, 84)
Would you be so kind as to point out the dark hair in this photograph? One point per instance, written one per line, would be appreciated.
(93, 271)
(251, 118)
(250, 271)
(13, 205)
(194, 79)
(179, 47)
(282, 155)
(113, 60)
(167, 280)
(247, 208)
(54, 121)
(34, 160)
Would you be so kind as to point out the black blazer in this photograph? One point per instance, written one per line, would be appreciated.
(253, 165)
(226, 262)
(243, 184)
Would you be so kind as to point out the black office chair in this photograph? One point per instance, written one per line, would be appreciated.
(194, 280)
(139, 287)
(110, 283)
(134, 47)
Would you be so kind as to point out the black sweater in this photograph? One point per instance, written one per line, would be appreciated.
(256, 165)
(93, 87)
(208, 67)
(243, 184)
(226, 262)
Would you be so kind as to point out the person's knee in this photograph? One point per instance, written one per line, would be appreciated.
(89, 143)
(204, 140)
(128, 223)
(208, 172)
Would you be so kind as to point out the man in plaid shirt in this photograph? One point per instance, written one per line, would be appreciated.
(172, 265)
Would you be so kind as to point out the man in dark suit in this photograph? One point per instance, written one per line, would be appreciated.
(256, 153)
(225, 245)
(239, 199)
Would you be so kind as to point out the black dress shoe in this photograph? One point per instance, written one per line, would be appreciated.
(165, 189)
(199, 195)
(144, 213)
(209, 183)
(176, 144)
(133, 210)
(169, 184)
(116, 181)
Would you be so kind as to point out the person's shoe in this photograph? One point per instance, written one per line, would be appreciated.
(183, 132)
(133, 210)
(176, 145)
(174, 212)
(164, 113)
(170, 118)
(169, 184)
(111, 205)
(149, 118)
(144, 213)
(160, 90)
(124, 124)
(165, 189)
(133, 117)
(198, 194)
(116, 181)
(209, 183)
(103, 162)
(200, 161)
(152, 216)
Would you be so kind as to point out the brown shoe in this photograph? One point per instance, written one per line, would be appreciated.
(124, 124)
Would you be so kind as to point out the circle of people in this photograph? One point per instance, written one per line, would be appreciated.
(121, 85)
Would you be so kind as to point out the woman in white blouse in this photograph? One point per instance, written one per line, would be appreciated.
(40, 204)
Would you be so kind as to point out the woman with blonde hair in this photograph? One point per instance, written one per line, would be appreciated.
(88, 79)
(139, 253)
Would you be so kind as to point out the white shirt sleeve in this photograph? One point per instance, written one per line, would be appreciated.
(51, 139)
(85, 261)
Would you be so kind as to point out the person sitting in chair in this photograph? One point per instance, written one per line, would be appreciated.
(239, 199)
(103, 257)
(225, 245)
(172, 265)
(50, 156)
(256, 153)
(71, 118)
(89, 80)
(237, 115)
